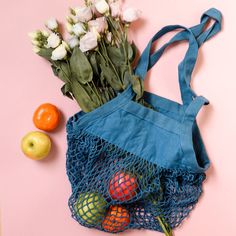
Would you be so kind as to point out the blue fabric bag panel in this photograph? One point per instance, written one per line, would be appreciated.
(148, 163)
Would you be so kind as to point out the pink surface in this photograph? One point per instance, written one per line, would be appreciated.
(33, 195)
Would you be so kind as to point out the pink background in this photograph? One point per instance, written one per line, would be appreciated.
(33, 195)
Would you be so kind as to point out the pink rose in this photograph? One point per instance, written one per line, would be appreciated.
(88, 42)
(115, 9)
(131, 14)
(83, 14)
(109, 37)
(100, 24)
(95, 12)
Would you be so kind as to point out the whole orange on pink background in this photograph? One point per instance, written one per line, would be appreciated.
(33, 195)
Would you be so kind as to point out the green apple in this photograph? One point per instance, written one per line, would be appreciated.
(36, 145)
(91, 207)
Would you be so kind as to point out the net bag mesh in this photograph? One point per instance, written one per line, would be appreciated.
(114, 190)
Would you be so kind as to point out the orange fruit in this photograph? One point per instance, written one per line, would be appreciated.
(46, 117)
(117, 219)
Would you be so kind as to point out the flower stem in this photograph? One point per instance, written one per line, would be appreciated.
(96, 92)
(110, 62)
(93, 88)
(118, 35)
(166, 228)
(58, 66)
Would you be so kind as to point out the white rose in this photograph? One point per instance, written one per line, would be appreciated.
(53, 40)
(88, 42)
(52, 24)
(131, 14)
(36, 49)
(102, 6)
(65, 44)
(45, 33)
(35, 34)
(83, 14)
(36, 42)
(111, 1)
(72, 19)
(69, 28)
(69, 19)
(73, 42)
(59, 53)
(78, 29)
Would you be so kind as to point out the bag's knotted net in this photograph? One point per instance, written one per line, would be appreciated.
(113, 190)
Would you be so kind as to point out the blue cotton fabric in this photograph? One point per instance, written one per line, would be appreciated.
(162, 146)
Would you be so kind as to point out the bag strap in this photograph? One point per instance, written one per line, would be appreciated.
(196, 37)
(198, 30)
(194, 107)
(148, 60)
(185, 69)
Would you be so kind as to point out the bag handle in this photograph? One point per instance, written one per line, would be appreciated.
(185, 69)
(147, 60)
(196, 37)
(198, 30)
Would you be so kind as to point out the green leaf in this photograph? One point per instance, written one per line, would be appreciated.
(45, 53)
(84, 96)
(102, 79)
(138, 86)
(116, 55)
(67, 91)
(132, 52)
(127, 78)
(64, 72)
(93, 92)
(104, 100)
(93, 62)
(111, 92)
(144, 103)
(105, 95)
(61, 70)
(55, 70)
(110, 76)
(125, 75)
(80, 67)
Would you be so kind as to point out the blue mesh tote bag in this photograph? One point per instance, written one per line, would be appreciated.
(136, 167)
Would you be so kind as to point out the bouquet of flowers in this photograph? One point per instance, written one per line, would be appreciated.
(96, 62)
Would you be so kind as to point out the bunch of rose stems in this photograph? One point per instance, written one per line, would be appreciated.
(95, 63)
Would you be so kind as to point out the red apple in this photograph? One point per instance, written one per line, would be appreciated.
(123, 186)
